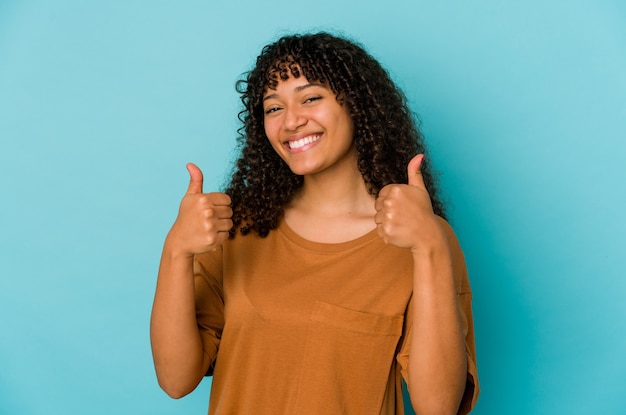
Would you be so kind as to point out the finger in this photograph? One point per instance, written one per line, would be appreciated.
(219, 199)
(195, 179)
(378, 218)
(222, 212)
(414, 171)
(384, 192)
(379, 203)
(224, 225)
(385, 196)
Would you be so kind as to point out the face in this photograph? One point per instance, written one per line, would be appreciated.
(307, 127)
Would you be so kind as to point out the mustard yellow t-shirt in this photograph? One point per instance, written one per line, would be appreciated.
(299, 327)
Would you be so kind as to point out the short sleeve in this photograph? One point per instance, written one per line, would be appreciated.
(464, 297)
(472, 388)
(209, 301)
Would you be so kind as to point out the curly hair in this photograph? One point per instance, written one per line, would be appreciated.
(386, 135)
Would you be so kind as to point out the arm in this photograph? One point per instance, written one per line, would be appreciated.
(202, 225)
(177, 348)
(437, 360)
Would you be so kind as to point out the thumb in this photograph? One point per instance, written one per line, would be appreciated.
(195, 179)
(414, 171)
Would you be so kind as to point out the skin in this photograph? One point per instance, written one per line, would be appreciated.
(437, 360)
(333, 206)
(202, 225)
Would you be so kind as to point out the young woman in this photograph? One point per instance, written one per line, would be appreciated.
(325, 273)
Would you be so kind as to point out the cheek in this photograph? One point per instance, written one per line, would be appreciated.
(347, 127)
(270, 130)
(272, 136)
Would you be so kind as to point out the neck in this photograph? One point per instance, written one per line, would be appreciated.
(335, 194)
(332, 206)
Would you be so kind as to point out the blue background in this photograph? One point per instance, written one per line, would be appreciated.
(102, 104)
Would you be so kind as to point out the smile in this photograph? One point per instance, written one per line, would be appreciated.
(296, 144)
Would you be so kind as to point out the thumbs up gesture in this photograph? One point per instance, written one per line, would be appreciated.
(404, 214)
(204, 219)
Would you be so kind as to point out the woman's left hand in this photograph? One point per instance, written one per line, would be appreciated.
(404, 214)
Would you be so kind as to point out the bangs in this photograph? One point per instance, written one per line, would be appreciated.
(290, 65)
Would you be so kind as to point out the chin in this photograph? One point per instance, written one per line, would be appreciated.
(301, 170)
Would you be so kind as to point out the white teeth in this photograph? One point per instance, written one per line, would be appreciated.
(303, 141)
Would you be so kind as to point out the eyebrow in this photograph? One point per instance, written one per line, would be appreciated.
(296, 89)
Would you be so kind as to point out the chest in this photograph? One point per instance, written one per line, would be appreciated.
(284, 282)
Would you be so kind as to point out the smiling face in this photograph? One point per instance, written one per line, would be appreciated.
(308, 128)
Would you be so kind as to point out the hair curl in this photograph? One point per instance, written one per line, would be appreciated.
(385, 133)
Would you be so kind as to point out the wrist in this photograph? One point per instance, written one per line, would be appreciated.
(432, 243)
(174, 251)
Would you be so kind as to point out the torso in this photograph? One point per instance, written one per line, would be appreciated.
(306, 315)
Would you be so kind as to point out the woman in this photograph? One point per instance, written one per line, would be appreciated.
(325, 274)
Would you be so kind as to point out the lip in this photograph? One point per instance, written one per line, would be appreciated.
(302, 142)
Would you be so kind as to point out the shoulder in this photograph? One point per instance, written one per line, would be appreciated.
(449, 232)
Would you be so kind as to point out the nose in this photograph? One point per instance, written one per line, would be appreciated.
(294, 119)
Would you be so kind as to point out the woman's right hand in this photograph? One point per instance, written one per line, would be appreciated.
(202, 225)
(204, 219)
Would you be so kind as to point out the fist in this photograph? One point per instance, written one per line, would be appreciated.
(204, 219)
(404, 214)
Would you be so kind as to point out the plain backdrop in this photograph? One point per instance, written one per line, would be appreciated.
(523, 104)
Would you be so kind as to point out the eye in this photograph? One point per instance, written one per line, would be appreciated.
(312, 99)
(271, 110)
